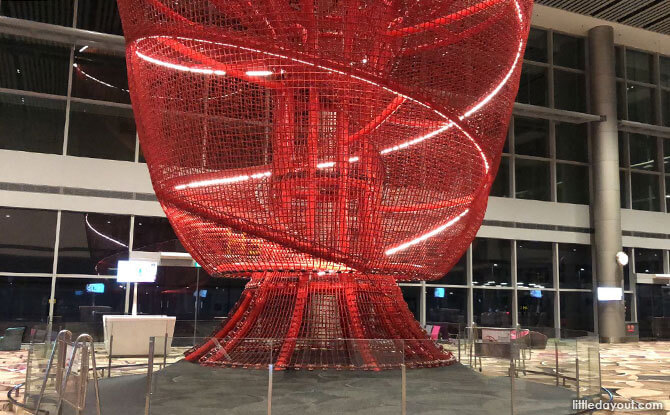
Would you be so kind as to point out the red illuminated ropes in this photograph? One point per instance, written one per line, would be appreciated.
(326, 149)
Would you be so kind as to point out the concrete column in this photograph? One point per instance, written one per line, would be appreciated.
(606, 211)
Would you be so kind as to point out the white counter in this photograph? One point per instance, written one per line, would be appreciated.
(132, 334)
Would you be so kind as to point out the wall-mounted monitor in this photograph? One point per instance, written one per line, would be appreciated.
(439, 292)
(610, 294)
(136, 271)
(536, 293)
(95, 288)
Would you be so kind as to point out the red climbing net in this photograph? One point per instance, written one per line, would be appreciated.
(326, 149)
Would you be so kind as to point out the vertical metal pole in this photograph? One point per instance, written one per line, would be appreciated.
(150, 371)
(512, 375)
(270, 370)
(403, 395)
(459, 348)
(165, 348)
(95, 379)
(605, 167)
(197, 304)
(556, 354)
(109, 358)
(577, 374)
(26, 386)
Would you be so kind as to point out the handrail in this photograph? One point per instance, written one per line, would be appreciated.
(21, 405)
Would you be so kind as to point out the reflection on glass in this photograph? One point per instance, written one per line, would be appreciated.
(86, 300)
(643, 152)
(666, 155)
(500, 187)
(665, 71)
(412, 297)
(577, 310)
(172, 294)
(645, 191)
(24, 301)
(492, 308)
(27, 240)
(456, 275)
(34, 65)
(572, 142)
(574, 266)
(88, 238)
(531, 137)
(641, 104)
(536, 308)
(536, 49)
(100, 76)
(58, 12)
(533, 88)
(534, 264)
(572, 184)
(568, 51)
(638, 66)
(155, 234)
(217, 296)
(648, 261)
(99, 16)
(569, 91)
(491, 262)
(532, 179)
(667, 193)
(100, 131)
(446, 305)
(31, 124)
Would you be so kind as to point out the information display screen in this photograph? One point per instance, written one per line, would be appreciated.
(136, 271)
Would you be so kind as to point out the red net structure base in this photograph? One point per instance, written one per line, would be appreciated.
(354, 142)
(321, 320)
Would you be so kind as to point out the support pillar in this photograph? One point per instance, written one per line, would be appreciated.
(606, 211)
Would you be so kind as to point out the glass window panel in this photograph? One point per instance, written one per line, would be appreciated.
(500, 187)
(536, 49)
(638, 66)
(99, 16)
(81, 303)
(645, 191)
(667, 194)
(27, 240)
(570, 91)
(456, 275)
(623, 180)
(412, 297)
(574, 266)
(446, 305)
(492, 308)
(99, 75)
(24, 301)
(58, 12)
(626, 270)
(532, 179)
(155, 234)
(101, 131)
(34, 65)
(643, 152)
(534, 86)
(531, 136)
(648, 261)
(665, 111)
(641, 104)
(577, 311)
(628, 305)
(621, 100)
(568, 51)
(534, 264)
(622, 150)
(86, 239)
(619, 61)
(172, 294)
(665, 71)
(666, 154)
(31, 124)
(217, 296)
(572, 184)
(536, 308)
(491, 262)
(572, 142)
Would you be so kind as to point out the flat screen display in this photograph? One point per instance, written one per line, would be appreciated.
(536, 293)
(96, 288)
(136, 271)
(439, 292)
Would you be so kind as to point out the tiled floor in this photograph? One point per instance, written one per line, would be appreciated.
(639, 371)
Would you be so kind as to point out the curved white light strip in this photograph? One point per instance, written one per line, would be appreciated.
(102, 234)
(96, 79)
(205, 71)
(258, 73)
(427, 235)
(417, 140)
(225, 180)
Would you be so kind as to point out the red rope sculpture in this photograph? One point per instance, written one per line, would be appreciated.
(326, 149)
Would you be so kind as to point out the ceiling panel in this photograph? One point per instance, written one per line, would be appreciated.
(652, 15)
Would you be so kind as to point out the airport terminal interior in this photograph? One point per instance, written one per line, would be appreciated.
(133, 285)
